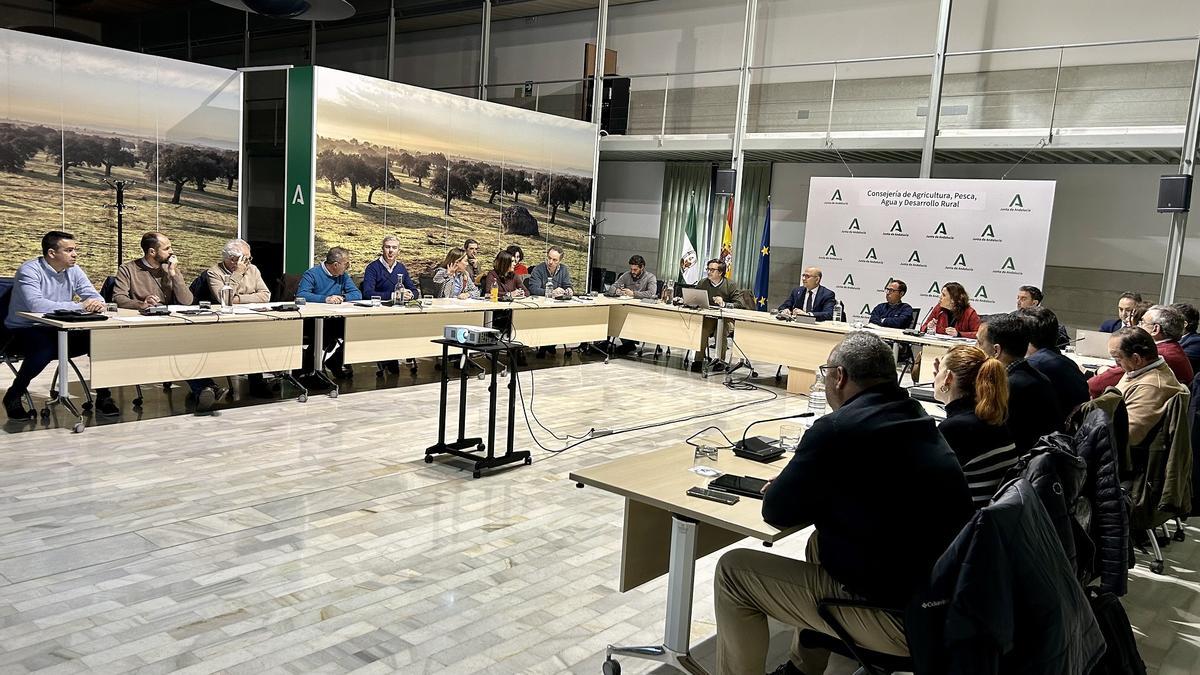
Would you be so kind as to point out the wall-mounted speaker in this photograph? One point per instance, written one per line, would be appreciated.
(726, 181)
(1174, 193)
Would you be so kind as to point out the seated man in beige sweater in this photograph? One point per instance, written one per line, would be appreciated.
(246, 285)
(155, 279)
(1148, 383)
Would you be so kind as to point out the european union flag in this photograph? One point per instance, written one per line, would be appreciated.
(762, 279)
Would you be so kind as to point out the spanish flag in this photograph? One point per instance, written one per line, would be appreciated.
(727, 242)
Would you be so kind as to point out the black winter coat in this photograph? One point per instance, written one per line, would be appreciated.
(1002, 599)
(1106, 514)
(1057, 475)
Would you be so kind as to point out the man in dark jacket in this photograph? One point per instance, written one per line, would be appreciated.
(1190, 340)
(810, 297)
(877, 453)
(1033, 408)
(1068, 380)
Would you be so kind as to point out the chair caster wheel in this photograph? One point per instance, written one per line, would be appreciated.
(333, 393)
(1179, 535)
(610, 667)
(78, 428)
(53, 394)
(87, 407)
(479, 448)
(1156, 567)
(476, 474)
(137, 402)
(481, 376)
(303, 398)
(412, 371)
(754, 373)
(429, 459)
(45, 413)
(529, 460)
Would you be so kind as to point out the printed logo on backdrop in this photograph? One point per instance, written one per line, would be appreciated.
(1016, 204)
(914, 260)
(940, 232)
(865, 311)
(988, 234)
(871, 258)
(853, 228)
(982, 296)
(848, 284)
(933, 291)
(960, 264)
(1007, 267)
(830, 254)
(897, 230)
(836, 198)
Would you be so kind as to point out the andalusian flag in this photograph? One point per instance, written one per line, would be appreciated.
(762, 280)
(689, 264)
(727, 242)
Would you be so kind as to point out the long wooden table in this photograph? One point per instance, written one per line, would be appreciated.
(665, 531)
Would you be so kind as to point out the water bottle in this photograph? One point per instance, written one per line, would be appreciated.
(837, 312)
(398, 291)
(550, 289)
(816, 396)
(226, 297)
(668, 292)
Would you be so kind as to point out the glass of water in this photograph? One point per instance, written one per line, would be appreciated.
(789, 436)
(376, 300)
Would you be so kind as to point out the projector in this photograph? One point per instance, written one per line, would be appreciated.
(472, 335)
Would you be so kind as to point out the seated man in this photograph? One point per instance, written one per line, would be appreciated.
(1125, 306)
(721, 293)
(636, 283)
(1165, 326)
(330, 283)
(1043, 354)
(472, 248)
(1147, 383)
(1032, 296)
(153, 280)
(246, 285)
(386, 273)
(893, 312)
(1190, 341)
(552, 273)
(42, 285)
(877, 453)
(1033, 408)
(810, 297)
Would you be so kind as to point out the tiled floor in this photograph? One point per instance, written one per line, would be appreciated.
(313, 538)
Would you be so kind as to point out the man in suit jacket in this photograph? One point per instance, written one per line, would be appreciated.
(811, 297)
(1033, 408)
(1125, 306)
(1068, 380)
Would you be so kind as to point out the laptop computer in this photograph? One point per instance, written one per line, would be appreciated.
(1092, 343)
(696, 297)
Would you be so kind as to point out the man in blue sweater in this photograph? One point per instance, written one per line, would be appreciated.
(894, 313)
(386, 272)
(329, 282)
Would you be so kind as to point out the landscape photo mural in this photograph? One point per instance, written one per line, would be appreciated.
(75, 119)
(435, 169)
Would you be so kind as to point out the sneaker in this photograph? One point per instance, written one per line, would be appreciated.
(107, 407)
(205, 400)
(16, 410)
(786, 668)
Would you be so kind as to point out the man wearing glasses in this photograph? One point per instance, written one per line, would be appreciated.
(721, 293)
(877, 453)
(893, 312)
(330, 282)
(1165, 324)
(810, 298)
(238, 272)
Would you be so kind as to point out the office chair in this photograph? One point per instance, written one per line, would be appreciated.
(8, 348)
(904, 351)
(870, 663)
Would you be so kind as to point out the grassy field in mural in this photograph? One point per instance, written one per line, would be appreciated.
(408, 211)
(33, 200)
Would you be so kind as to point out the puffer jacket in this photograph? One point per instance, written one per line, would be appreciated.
(1162, 483)
(1104, 507)
(1057, 475)
(1195, 389)
(1002, 599)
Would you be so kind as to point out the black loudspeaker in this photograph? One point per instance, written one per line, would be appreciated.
(1174, 193)
(726, 181)
(614, 106)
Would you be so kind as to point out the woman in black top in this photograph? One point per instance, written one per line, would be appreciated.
(974, 387)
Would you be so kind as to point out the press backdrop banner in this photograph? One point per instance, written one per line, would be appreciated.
(988, 235)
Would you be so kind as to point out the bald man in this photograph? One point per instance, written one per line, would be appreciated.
(810, 297)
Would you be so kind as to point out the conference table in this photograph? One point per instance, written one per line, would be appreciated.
(129, 348)
(665, 531)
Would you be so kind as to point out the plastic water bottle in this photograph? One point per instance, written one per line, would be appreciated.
(226, 297)
(550, 289)
(398, 291)
(816, 396)
(837, 312)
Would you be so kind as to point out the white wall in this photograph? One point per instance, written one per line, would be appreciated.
(630, 198)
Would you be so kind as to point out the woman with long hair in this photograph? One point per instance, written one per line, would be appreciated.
(953, 315)
(452, 278)
(503, 278)
(974, 388)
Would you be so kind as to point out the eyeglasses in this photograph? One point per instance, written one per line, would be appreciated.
(714, 269)
(891, 290)
(826, 369)
(807, 276)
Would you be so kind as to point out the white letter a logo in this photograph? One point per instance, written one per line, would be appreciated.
(298, 197)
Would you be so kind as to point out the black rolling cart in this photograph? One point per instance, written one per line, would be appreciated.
(459, 448)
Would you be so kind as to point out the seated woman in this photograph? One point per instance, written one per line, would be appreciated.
(503, 277)
(974, 388)
(518, 259)
(953, 316)
(452, 278)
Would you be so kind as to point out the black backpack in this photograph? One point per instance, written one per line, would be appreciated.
(1121, 657)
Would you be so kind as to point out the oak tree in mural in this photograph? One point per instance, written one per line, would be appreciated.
(113, 153)
(420, 171)
(180, 165)
(456, 186)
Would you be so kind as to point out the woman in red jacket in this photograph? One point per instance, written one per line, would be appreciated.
(954, 315)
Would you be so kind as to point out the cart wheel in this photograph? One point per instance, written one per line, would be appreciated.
(610, 667)
(303, 398)
(1179, 535)
(1156, 566)
(78, 428)
(476, 474)
(481, 376)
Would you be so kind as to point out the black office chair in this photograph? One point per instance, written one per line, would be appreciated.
(904, 352)
(9, 351)
(201, 291)
(871, 663)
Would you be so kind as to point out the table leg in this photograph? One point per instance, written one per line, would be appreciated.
(319, 355)
(675, 650)
(64, 395)
(492, 393)
(462, 395)
(722, 337)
